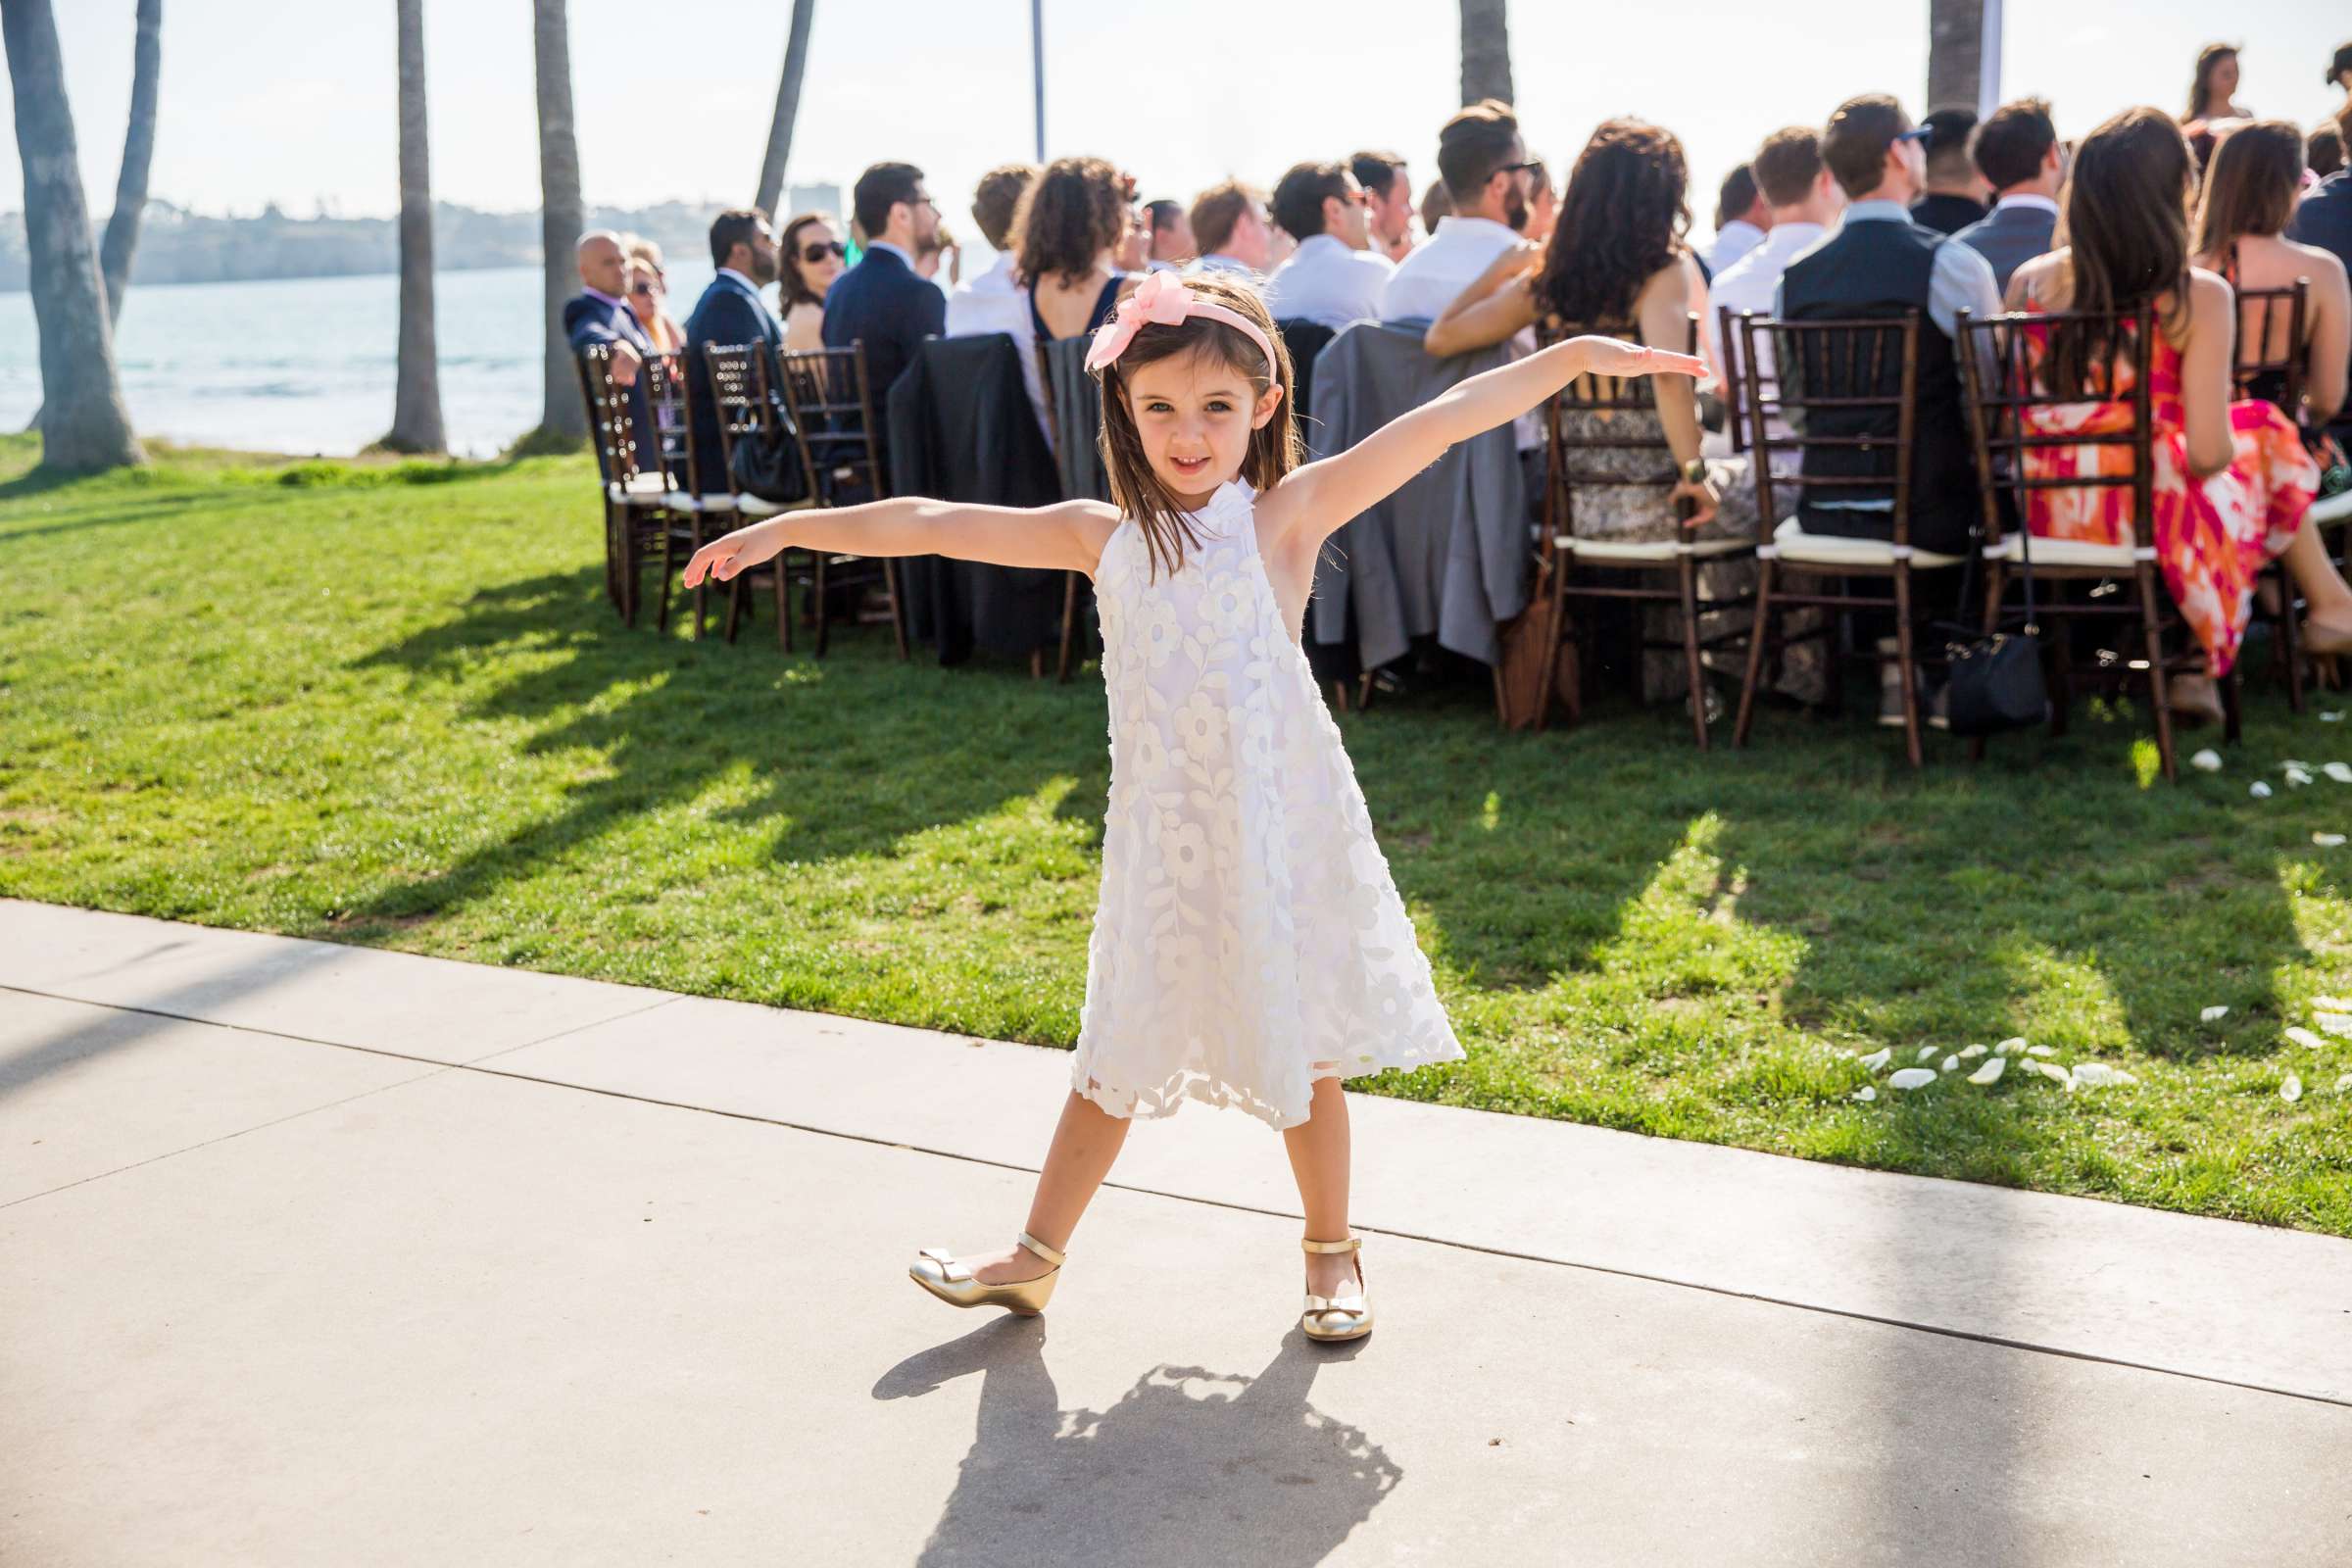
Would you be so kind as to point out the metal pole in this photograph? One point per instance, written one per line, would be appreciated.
(1988, 60)
(1037, 50)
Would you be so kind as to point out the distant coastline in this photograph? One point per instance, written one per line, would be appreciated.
(177, 246)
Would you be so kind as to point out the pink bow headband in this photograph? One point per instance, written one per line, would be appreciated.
(1164, 299)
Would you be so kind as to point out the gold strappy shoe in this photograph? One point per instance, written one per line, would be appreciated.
(1337, 1317)
(939, 1273)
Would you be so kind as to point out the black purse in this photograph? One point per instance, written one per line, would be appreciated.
(768, 465)
(1995, 680)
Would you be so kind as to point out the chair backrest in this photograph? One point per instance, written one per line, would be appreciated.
(2261, 372)
(1734, 381)
(670, 405)
(2002, 389)
(739, 399)
(1847, 399)
(832, 412)
(1606, 452)
(612, 428)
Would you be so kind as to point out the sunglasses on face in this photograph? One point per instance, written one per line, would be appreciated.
(641, 288)
(1915, 133)
(813, 254)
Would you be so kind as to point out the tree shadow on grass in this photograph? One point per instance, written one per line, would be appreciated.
(857, 752)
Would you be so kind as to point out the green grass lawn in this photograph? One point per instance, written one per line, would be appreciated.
(389, 704)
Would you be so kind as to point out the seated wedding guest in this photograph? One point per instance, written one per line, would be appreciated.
(2017, 153)
(2211, 92)
(600, 314)
(1880, 264)
(731, 312)
(1543, 202)
(2233, 482)
(1954, 194)
(1133, 253)
(2339, 72)
(1484, 164)
(882, 301)
(809, 258)
(938, 251)
(2323, 219)
(1231, 227)
(1741, 217)
(1172, 243)
(649, 294)
(1388, 201)
(2249, 194)
(1068, 224)
(1803, 198)
(1437, 204)
(1333, 278)
(2324, 151)
(992, 302)
(1618, 262)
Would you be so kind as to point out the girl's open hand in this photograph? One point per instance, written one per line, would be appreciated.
(730, 554)
(1608, 356)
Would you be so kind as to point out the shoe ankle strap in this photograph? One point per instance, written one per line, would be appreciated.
(1347, 1246)
(1042, 1249)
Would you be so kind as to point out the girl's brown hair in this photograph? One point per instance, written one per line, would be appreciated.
(1273, 446)
(2125, 217)
(796, 288)
(1069, 216)
(2251, 184)
(1622, 219)
(2200, 89)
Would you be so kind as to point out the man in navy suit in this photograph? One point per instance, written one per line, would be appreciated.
(600, 317)
(883, 302)
(2017, 152)
(743, 247)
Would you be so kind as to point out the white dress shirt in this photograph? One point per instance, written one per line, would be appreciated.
(989, 302)
(2027, 198)
(1434, 277)
(1327, 282)
(1732, 241)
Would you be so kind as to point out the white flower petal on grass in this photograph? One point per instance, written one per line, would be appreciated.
(2341, 772)
(2335, 1024)
(2213, 1015)
(1924, 1052)
(2344, 1083)
(1911, 1077)
(2294, 762)
(1972, 1052)
(2333, 1004)
(1990, 1072)
(2040, 1050)
(2328, 841)
(2292, 1089)
(2333, 716)
(1951, 1064)
(2098, 1072)
(2012, 1043)
(2298, 776)
(2305, 1038)
(1866, 1092)
(2259, 790)
(1877, 1059)
(2208, 760)
(2055, 1074)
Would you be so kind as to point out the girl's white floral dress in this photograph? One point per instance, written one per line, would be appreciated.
(1249, 939)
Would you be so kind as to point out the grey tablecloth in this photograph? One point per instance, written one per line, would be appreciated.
(1448, 553)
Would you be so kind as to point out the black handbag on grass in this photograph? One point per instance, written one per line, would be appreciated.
(1995, 680)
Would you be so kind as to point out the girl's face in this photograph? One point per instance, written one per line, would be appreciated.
(1195, 414)
(2224, 83)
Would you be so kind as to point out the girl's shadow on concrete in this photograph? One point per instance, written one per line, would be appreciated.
(1188, 1467)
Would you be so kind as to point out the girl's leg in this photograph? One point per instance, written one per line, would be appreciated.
(1085, 1142)
(2326, 595)
(1320, 1158)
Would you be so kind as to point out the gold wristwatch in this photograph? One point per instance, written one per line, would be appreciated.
(1695, 471)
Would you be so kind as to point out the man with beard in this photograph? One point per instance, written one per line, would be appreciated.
(743, 247)
(1484, 164)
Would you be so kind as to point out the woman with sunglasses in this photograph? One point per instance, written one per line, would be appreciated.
(648, 302)
(809, 258)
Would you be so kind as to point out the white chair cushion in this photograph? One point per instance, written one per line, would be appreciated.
(2332, 509)
(2070, 552)
(1660, 551)
(646, 490)
(1793, 543)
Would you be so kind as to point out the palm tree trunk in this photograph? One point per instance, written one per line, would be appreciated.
(561, 213)
(84, 425)
(1955, 52)
(417, 393)
(138, 151)
(788, 107)
(1485, 52)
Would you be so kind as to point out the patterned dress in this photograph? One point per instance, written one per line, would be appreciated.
(2212, 536)
(1249, 939)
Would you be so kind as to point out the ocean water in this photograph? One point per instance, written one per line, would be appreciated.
(306, 365)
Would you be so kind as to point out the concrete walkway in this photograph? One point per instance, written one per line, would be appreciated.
(312, 1253)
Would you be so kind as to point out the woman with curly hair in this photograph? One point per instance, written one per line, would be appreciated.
(1070, 220)
(1618, 264)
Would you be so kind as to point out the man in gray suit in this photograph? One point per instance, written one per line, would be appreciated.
(2017, 152)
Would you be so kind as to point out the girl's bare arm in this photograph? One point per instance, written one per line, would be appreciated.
(1321, 495)
(1490, 310)
(1066, 536)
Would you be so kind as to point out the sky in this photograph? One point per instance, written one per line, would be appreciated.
(293, 101)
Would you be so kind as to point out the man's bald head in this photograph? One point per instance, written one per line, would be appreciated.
(604, 264)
